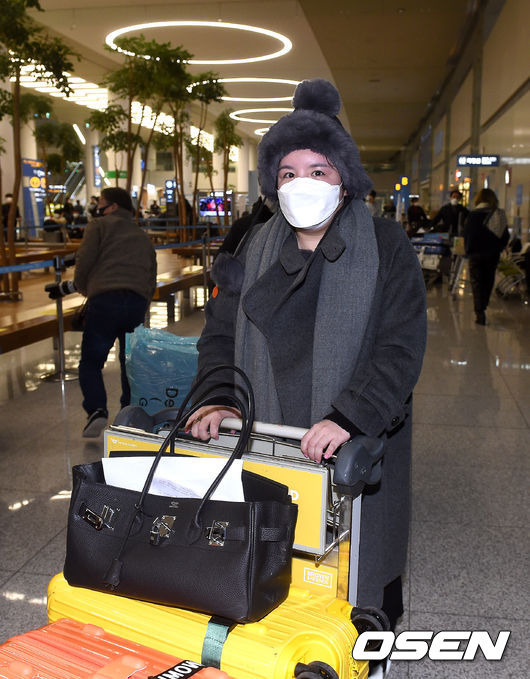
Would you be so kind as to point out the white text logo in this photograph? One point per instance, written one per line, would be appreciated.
(440, 646)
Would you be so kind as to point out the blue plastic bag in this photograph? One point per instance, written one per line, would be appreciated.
(160, 367)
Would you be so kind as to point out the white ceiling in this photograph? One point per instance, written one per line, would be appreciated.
(386, 57)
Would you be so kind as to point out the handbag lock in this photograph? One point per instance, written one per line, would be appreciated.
(107, 518)
(161, 529)
(216, 533)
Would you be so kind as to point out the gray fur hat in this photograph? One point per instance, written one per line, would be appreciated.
(312, 125)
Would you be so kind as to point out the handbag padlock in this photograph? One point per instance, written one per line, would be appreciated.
(161, 529)
(216, 533)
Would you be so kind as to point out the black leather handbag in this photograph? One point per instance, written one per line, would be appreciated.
(228, 559)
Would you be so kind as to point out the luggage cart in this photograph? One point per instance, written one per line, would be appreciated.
(312, 633)
(512, 278)
(434, 255)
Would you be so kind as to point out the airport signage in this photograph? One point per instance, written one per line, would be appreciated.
(478, 160)
(33, 192)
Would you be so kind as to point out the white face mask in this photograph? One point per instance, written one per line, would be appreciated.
(308, 203)
(454, 201)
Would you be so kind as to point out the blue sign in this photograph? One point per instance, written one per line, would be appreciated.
(519, 194)
(170, 186)
(478, 160)
(33, 193)
(95, 160)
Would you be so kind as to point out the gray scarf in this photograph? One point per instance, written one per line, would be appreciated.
(345, 298)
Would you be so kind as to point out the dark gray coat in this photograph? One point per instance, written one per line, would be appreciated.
(378, 398)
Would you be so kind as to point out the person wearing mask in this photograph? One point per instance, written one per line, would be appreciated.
(452, 215)
(485, 237)
(323, 307)
(371, 204)
(416, 217)
(92, 207)
(115, 269)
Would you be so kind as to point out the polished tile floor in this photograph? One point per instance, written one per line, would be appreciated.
(468, 566)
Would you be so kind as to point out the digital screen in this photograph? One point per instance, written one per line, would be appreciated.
(207, 206)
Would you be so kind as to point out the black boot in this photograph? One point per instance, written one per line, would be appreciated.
(480, 317)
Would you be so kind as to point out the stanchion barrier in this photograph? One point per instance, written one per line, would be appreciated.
(16, 296)
(60, 375)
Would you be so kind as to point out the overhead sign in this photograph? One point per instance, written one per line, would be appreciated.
(479, 160)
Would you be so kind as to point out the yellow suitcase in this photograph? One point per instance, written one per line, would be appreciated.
(311, 628)
(307, 627)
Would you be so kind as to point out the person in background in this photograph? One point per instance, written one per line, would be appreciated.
(485, 237)
(452, 215)
(324, 309)
(116, 270)
(371, 204)
(6, 206)
(259, 214)
(389, 210)
(154, 209)
(416, 217)
(92, 207)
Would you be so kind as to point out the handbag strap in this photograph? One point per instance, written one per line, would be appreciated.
(112, 577)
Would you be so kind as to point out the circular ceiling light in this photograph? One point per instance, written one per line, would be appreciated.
(236, 115)
(279, 81)
(261, 131)
(287, 44)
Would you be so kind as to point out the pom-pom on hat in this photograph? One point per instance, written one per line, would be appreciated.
(312, 125)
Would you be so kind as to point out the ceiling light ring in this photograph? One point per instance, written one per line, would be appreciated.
(237, 115)
(287, 44)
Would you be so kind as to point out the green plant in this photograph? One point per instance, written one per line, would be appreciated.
(225, 138)
(205, 89)
(23, 42)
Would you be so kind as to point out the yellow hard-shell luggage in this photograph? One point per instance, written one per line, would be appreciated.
(305, 628)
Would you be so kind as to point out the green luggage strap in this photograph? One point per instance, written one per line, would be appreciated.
(214, 640)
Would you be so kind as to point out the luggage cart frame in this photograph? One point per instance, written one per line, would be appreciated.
(315, 628)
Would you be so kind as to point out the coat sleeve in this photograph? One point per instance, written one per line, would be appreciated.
(388, 368)
(216, 343)
(86, 257)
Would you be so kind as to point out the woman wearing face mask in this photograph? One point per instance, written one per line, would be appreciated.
(324, 308)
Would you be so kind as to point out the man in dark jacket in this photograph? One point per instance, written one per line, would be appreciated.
(452, 215)
(116, 270)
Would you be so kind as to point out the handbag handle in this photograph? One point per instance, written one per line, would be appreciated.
(112, 577)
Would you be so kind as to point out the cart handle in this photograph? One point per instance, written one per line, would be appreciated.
(357, 462)
(281, 430)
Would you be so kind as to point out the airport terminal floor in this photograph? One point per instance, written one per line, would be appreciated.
(467, 567)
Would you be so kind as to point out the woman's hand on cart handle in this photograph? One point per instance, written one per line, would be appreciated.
(204, 423)
(322, 440)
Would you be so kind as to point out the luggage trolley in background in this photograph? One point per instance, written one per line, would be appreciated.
(457, 265)
(434, 255)
(312, 633)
